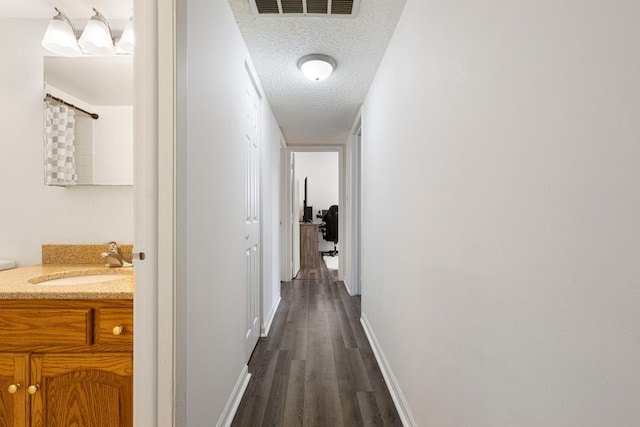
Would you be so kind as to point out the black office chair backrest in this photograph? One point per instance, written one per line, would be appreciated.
(331, 221)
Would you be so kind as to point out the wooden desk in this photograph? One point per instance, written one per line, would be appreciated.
(308, 245)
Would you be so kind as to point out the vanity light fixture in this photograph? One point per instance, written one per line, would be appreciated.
(60, 36)
(316, 67)
(97, 38)
(125, 44)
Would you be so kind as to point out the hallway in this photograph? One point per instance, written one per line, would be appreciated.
(316, 367)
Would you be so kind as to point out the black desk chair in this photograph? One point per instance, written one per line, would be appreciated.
(330, 229)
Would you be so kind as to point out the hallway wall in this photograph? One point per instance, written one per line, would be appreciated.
(212, 298)
(502, 241)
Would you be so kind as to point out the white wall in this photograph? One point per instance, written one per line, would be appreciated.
(321, 170)
(114, 145)
(31, 213)
(212, 320)
(502, 241)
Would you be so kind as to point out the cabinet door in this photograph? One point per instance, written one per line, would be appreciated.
(82, 390)
(13, 385)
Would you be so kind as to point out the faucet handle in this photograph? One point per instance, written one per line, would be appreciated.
(113, 247)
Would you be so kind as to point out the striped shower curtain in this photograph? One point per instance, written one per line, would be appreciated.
(59, 153)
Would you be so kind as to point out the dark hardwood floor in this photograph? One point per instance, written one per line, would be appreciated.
(316, 367)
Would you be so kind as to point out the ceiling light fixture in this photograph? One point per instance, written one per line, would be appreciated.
(316, 67)
(60, 36)
(96, 37)
(125, 44)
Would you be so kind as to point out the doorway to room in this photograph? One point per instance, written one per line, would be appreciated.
(315, 196)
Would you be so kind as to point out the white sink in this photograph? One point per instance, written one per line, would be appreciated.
(82, 280)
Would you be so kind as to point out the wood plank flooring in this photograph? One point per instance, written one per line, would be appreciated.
(316, 368)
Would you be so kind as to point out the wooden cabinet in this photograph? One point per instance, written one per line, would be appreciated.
(70, 365)
(82, 390)
(13, 403)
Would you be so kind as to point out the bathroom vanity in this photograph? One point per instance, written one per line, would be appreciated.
(66, 351)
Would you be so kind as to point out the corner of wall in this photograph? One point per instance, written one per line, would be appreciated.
(226, 418)
(399, 400)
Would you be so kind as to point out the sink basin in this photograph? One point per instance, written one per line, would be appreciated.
(81, 280)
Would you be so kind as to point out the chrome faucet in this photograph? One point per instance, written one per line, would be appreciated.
(114, 256)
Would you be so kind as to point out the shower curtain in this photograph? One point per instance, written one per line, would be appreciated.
(59, 153)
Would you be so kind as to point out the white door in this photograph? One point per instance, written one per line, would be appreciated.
(252, 214)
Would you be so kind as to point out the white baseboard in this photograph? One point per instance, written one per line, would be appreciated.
(264, 330)
(234, 400)
(394, 388)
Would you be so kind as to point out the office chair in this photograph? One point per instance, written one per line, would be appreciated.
(330, 229)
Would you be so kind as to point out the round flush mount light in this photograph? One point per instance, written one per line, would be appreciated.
(316, 67)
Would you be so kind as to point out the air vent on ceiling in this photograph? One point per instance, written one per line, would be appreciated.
(333, 8)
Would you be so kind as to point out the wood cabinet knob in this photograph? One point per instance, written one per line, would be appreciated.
(13, 388)
(117, 330)
(33, 389)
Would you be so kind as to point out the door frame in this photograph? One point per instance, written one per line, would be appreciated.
(342, 236)
(155, 78)
(354, 220)
(285, 229)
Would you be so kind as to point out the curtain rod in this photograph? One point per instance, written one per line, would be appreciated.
(92, 115)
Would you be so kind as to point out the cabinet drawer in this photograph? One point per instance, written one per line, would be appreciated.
(46, 326)
(115, 326)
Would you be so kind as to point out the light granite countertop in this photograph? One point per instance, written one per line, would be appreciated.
(22, 282)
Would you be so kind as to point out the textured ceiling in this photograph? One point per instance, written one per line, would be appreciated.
(318, 113)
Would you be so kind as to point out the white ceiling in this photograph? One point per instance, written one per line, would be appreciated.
(318, 113)
(312, 113)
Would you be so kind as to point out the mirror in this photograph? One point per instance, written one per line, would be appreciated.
(99, 91)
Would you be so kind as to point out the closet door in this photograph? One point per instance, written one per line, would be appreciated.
(252, 212)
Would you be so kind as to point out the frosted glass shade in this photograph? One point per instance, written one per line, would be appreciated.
(316, 67)
(96, 39)
(61, 39)
(125, 44)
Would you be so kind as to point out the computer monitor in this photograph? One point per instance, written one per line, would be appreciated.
(307, 211)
